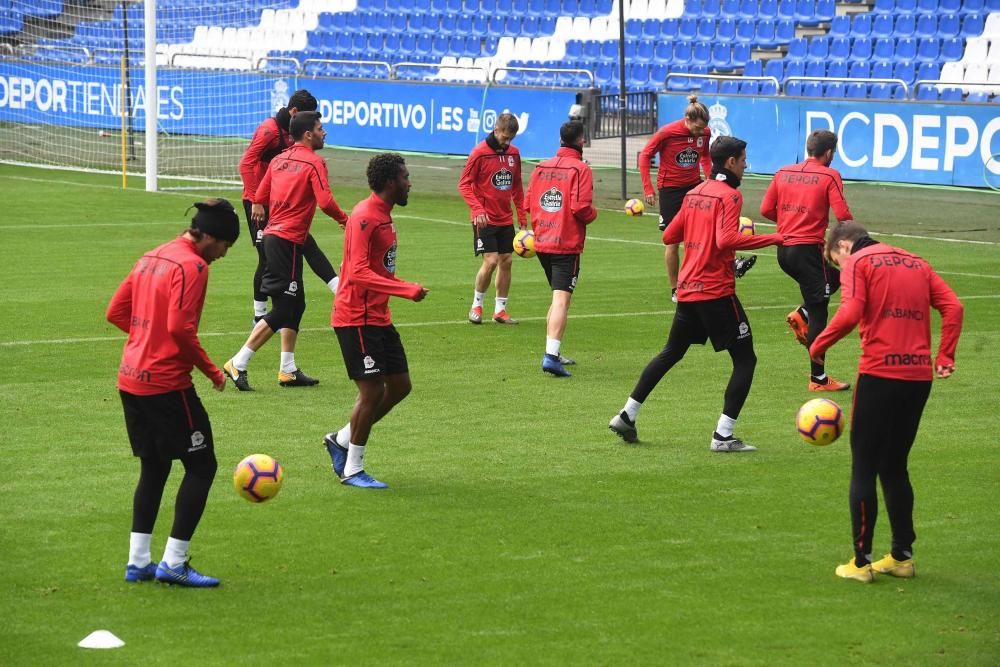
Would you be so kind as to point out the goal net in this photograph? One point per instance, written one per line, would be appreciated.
(73, 73)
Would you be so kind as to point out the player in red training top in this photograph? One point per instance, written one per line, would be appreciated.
(269, 140)
(295, 185)
(372, 349)
(490, 183)
(708, 308)
(159, 306)
(888, 294)
(799, 200)
(560, 198)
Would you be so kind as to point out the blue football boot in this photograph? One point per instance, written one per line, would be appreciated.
(134, 573)
(185, 575)
(363, 480)
(551, 364)
(338, 455)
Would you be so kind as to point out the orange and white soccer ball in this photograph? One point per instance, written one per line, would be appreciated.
(747, 226)
(258, 477)
(524, 243)
(634, 207)
(820, 421)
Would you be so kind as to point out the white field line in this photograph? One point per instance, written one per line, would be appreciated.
(407, 325)
(210, 189)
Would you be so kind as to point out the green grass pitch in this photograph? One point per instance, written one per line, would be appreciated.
(517, 529)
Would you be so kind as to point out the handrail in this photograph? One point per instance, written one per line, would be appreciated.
(335, 61)
(53, 47)
(557, 70)
(900, 82)
(264, 59)
(951, 84)
(722, 77)
(174, 57)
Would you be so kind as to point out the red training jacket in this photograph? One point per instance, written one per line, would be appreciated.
(560, 200)
(491, 181)
(368, 273)
(680, 154)
(708, 225)
(890, 292)
(268, 140)
(159, 305)
(799, 200)
(296, 184)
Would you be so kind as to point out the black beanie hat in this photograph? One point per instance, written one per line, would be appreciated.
(217, 218)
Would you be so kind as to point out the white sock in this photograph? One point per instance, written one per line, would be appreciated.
(631, 409)
(176, 552)
(552, 346)
(501, 305)
(820, 378)
(725, 426)
(259, 308)
(344, 435)
(333, 284)
(287, 362)
(138, 549)
(355, 460)
(805, 312)
(477, 298)
(242, 358)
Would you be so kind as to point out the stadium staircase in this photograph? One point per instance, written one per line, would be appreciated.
(877, 49)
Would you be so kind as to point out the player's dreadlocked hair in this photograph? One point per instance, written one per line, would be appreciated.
(383, 168)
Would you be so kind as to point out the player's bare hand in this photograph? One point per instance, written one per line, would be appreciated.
(257, 213)
(651, 199)
(480, 221)
(944, 371)
(420, 296)
(220, 386)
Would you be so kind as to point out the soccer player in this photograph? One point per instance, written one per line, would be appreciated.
(295, 185)
(799, 200)
(490, 183)
(560, 199)
(888, 294)
(159, 306)
(708, 308)
(269, 139)
(372, 349)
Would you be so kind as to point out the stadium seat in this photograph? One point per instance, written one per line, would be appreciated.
(973, 6)
(949, 26)
(861, 49)
(746, 31)
(856, 91)
(784, 31)
(750, 87)
(861, 25)
(819, 49)
(905, 71)
(884, 50)
(927, 94)
(730, 9)
(663, 53)
(906, 6)
(976, 50)
(797, 49)
(977, 96)
(904, 26)
(645, 50)
(928, 50)
(973, 25)
(884, 7)
(767, 9)
(952, 49)
(682, 53)
(927, 7)
(795, 68)
(906, 49)
(709, 86)
(793, 89)
(835, 90)
(928, 72)
(841, 26)
(826, 10)
(881, 71)
(764, 36)
(882, 26)
(651, 29)
(812, 89)
(951, 95)
(687, 29)
(816, 68)
(706, 30)
(693, 9)
(753, 67)
(748, 9)
(725, 31)
(668, 28)
(837, 69)
(701, 53)
(710, 9)
(775, 67)
(786, 10)
(860, 70)
(677, 82)
(741, 56)
(880, 91)
(949, 6)
(769, 88)
(729, 87)
(926, 26)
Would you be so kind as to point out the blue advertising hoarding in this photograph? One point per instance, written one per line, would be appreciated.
(438, 118)
(941, 144)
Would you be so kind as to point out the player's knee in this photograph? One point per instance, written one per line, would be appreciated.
(203, 466)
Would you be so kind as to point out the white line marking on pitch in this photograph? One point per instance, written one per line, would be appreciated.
(409, 325)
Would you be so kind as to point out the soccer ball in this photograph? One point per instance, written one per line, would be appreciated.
(524, 243)
(747, 228)
(258, 477)
(820, 421)
(634, 207)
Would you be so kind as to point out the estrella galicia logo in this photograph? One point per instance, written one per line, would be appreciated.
(551, 200)
(503, 179)
(389, 259)
(687, 158)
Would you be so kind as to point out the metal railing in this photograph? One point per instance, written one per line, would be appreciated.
(335, 61)
(50, 49)
(505, 68)
(898, 82)
(641, 115)
(274, 59)
(394, 73)
(721, 77)
(948, 83)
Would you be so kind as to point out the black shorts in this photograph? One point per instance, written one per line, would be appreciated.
(670, 201)
(560, 270)
(493, 238)
(167, 426)
(256, 231)
(370, 351)
(817, 279)
(722, 320)
(283, 272)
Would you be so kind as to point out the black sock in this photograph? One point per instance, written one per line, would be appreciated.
(899, 555)
(716, 436)
(823, 381)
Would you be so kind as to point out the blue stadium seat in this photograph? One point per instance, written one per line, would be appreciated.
(977, 96)
(949, 26)
(710, 86)
(951, 95)
(904, 26)
(741, 55)
(952, 49)
(658, 75)
(767, 9)
(841, 26)
(448, 24)
(926, 26)
(552, 8)
(857, 91)
(480, 25)
(906, 49)
(529, 26)
(884, 7)
(748, 9)
(835, 90)
(786, 10)
(816, 68)
(797, 49)
(668, 28)
(769, 88)
(687, 29)
(927, 6)
(860, 70)
(840, 48)
(905, 71)
(678, 82)
(973, 25)
(882, 70)
(950, 6)
(993, 6)
(711, 8)
(906, 6)
(805, 12)
(682, 53)
(746, 30)
(651, 29)
(729, 87)
(505, 7)
(784, 31)
(706, 30)
(753, 67)
(764, 36)
(928, 72)
(701, 53)
(819, 48)
(749, 88)
(775, 67)
(609, 51)
(725, 30)
(837, 69)
(882, 26)
(497, 26)
(928, 50)
(644, 51)
(885, 49)
(861, 25)
(826, 10)
(795, 68)
(880, 91)
(693, 9)
(927, 94)
(633, 29)
(793, 89)
(722, 57)
(730, 9)
(861, 49)
(812, 89)
(663, 53)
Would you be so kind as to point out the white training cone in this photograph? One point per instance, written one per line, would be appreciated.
(100, 639)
